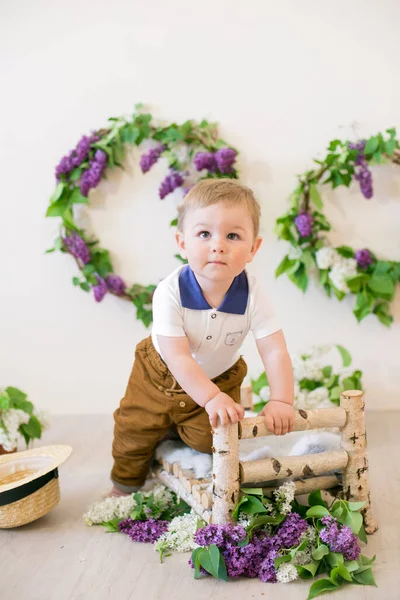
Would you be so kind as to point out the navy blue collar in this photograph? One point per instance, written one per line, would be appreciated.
(235, 301)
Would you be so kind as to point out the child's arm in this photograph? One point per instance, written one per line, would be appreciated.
(192, 378)
(279, 414)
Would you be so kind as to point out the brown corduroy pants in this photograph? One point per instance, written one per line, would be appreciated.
(153, 403)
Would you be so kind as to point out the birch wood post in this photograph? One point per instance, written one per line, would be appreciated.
(354, 441)
(225, 473)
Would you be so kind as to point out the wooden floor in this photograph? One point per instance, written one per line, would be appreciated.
(60, 558)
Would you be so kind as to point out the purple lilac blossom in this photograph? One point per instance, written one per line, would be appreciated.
(115, 284)
(99, 290)
(92, 176)
(340, 538)
(143, 531)
(267, 572)
(77, 247)
(149, 159)
(362, 174)
(304, 222)
(363, 258)
(170, 183)
(288, 534)
(205, 160)
(76, 157)
(225, 158)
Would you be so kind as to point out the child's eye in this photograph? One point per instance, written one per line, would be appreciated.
(232, 236)
(204, 234)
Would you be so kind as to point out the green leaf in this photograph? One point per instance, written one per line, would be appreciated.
(365, 577)
(58, 208)
(258, 384)
(5, 402)
(356, 505)
(327, 371)
(285, 264)
(340, 570)
(315, 196)
(382, 285)
(58, 192)
(319, 587)
(346, 357)
(334, 559)
(174, 222)
(85, 286)
(372, 145)
(77, 198)
(252, 506)
(317, 511)
(354, 520)
(308, 571)
(300, 278)
(32, 429)
(315, 499)
(15, 394)
(319, 552)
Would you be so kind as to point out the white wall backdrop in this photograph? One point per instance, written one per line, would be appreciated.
(281, 78)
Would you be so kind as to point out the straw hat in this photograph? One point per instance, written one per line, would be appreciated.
(29, 485)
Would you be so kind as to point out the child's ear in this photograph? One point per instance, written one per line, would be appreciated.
(255, 248)
(180, 240)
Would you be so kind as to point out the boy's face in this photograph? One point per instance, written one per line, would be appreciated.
(218, 241)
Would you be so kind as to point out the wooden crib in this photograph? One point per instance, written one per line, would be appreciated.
(309, 472)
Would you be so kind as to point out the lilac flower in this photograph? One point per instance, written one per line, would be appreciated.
(63, 167)
(205, 160)
(363, 258)
(225, 158)
(115, 284)
(363, 175)
(143, 531)
(77, 247)
(288, 534)
(267, 572)
(304, 222)
(99, 290)
(76, 157)
(92, 176)
(149, 159)
(220, 535)
(170, 183)
(340, 538)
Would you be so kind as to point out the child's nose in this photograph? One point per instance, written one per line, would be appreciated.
(218, 245)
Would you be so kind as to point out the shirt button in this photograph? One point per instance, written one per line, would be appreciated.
(213, 316)
(209, 337)
(182, 404)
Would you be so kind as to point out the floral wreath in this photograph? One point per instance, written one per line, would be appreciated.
(193, 151)
(341, 270)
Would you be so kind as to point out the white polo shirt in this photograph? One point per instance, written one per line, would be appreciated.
(215, 334)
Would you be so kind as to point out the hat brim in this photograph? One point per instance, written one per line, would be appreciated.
(23, 467)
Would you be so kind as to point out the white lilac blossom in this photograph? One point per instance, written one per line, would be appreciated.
(10, 422)
(115, 507)
(286, 573)
(342, 270)
(326, 257)
(303, 557)
(284, 497)
(306, 369)
(318, 398)
(180, 534)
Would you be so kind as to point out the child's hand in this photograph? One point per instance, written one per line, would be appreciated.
(279, 417)
(225, 408)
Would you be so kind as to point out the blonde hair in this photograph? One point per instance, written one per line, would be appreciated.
(210, 191)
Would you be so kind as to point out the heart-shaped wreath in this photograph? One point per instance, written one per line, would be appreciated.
(193, 151)
(341, 270)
